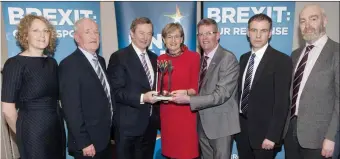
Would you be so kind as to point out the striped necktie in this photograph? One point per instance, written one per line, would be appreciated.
(246, 85)
(204, 70)
(148, 74)
(298, 78)
(101, 77)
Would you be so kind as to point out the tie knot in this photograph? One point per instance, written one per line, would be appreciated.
(143, 54)
(310, 47)
(95, 58)
(253, 55)
(206, 57)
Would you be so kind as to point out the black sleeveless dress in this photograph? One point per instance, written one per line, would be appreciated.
(32, 84)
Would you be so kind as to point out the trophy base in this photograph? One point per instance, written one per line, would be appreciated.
(163, 98)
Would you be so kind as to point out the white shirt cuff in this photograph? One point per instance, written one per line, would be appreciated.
(141, 98)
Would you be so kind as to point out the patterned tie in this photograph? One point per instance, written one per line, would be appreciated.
(148, 74)
(246, 85)
(204, 70)
(101, 77)
(298, 77)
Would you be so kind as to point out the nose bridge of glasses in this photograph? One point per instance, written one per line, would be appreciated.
(209, 33)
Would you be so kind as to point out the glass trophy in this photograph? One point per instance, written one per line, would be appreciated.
(164, 66)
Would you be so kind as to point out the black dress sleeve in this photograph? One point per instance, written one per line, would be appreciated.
(12, 79)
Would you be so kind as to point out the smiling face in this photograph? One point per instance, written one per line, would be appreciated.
(208, 37)
(38, 35)
(312, 23)
(87, 35)
(173, 41)
(142, 36)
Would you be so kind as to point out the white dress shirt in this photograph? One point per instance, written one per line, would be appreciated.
(258, 56)
(312, 57)
(148, 62)
(90, 57)
(210, 55)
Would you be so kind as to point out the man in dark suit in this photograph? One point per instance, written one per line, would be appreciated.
(264, 84)
(132, 72)
(314, 115)
(85, 95)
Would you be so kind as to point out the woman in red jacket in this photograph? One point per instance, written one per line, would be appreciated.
(178, 122)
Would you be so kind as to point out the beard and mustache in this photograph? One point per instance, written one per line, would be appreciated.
(312, 34)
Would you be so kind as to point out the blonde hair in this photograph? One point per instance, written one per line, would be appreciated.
(171, 27)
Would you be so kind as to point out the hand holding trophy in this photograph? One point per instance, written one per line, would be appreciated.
(164, 66)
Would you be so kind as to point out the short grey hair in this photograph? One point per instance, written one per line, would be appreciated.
(79, 21)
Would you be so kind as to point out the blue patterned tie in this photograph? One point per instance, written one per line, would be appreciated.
(148, 74)
(101, 77)
(246, 86)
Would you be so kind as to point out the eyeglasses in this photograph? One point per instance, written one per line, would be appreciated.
(210, 33)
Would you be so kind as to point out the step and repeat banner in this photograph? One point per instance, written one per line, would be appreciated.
(160, 13)
(232, 19)
(62, 15)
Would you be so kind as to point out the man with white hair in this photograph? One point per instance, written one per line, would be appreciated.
(314, 113)
(85, 95)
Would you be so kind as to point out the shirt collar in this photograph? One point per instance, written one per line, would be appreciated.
(87, 54)
(138, 51)
(212, 52)
(259, 53)
(320, 42)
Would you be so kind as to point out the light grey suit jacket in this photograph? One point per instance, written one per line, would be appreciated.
(217, 99)
(318, 116)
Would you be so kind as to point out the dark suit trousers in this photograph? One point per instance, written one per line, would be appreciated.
(245, 151)
(105, 154)
(293, 150)
(137, 147)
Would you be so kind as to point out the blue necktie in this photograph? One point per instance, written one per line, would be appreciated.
(246, 86)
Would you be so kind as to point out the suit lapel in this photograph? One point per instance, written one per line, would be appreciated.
(295, 59)
(86, 63)
(214, 61)
(137, 67)
(243, 64)
(262, 65)
(154, 67)
(319, 63)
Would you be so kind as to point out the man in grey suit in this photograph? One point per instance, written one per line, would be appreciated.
(314, 115)
(216, 103)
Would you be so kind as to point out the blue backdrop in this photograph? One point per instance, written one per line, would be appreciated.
(160, 13)
(62, 15)
(232, 19)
